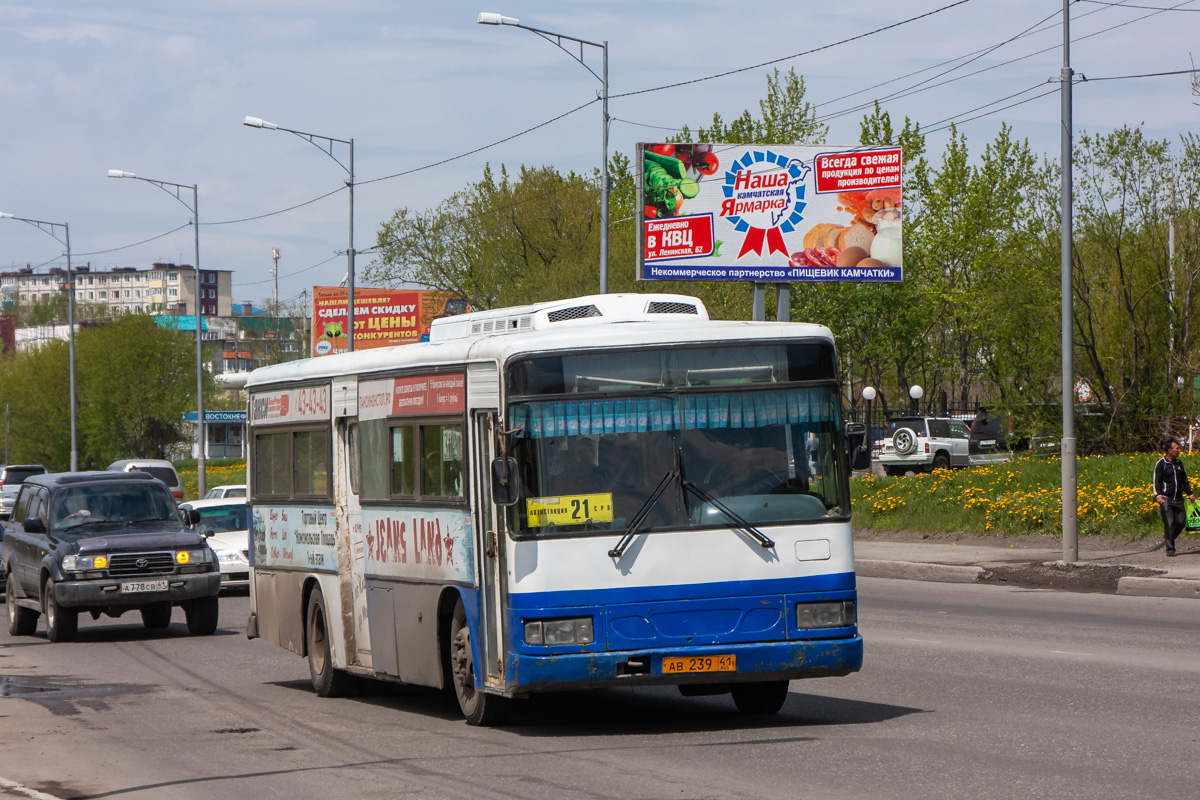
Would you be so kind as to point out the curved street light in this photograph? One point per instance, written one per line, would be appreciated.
(327, 149)
(48, 229)
(176, 191)
(556, 39)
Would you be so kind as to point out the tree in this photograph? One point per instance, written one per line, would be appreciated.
(136, 381)
(500, 241)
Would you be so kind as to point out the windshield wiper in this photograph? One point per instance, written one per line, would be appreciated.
(738, 520)
(643, 513)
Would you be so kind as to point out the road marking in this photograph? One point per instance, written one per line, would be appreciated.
(1069, 653)
(923, 641)
(25, 790)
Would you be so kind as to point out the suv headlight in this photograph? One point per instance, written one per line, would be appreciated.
(80, 563)
(559, 631)
(839, 614)
(193, 556)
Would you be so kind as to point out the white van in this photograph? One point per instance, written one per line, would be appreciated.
(163, 470)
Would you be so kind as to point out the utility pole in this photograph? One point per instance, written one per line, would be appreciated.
(1070, 489)
(275, 253)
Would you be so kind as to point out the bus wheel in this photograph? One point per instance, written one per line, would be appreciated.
(326, 681)
(762, 697)
(478, 707)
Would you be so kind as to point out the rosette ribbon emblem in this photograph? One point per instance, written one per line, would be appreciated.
(764, 199)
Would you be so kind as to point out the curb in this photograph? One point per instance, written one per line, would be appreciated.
(1159, 587)
(919, 571)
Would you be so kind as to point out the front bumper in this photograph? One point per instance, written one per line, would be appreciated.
(817, 658)
(104, 592)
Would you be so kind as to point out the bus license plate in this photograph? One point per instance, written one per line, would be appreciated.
(676, 666)
(129, 587)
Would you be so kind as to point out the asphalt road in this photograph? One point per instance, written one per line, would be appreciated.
(967, 692)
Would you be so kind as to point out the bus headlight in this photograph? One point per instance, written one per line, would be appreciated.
(839, 614)
(560, 631)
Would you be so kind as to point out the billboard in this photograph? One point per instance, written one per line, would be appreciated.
(772, 213)
(382, 317)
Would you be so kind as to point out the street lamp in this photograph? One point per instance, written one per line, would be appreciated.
(176, 191)
(490, 18)
(916, 393)
(48, 229)
(868, 394)
(311, 138)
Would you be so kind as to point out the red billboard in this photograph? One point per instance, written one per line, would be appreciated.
(382, 317)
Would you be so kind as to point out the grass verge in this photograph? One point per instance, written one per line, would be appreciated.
(1022, 496)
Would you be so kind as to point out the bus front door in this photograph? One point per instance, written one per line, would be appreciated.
(490, 545)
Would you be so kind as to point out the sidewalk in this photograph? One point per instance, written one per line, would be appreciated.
(1130, 568)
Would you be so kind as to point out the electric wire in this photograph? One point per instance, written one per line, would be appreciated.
(794, 55)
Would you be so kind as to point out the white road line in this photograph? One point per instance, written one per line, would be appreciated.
(1069, 653)
(923, 641)
(12, 786)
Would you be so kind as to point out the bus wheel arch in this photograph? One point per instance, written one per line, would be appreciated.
(478, 706)
(306, 591)
(327, 680)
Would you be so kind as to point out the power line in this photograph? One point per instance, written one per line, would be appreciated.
(1147, 75)
(280, 211)
(794, 55)
(1126, 5)
(995, 111)
(292, 274)
(135, 244)
(484, 147)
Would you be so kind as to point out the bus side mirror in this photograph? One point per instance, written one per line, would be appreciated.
(504, 481)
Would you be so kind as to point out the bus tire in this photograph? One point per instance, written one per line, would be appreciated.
(760, 697)
(478, 707)
(61, 623)
(326, 681)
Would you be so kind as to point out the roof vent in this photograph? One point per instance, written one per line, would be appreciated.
(659, 307)
(575, 312)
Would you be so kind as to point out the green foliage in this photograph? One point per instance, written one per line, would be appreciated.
(34, 385)
(786, 118)
(139, 418)
(134, 382)
(1023, 496)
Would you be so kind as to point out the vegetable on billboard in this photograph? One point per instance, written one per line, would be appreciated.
(770, 213)
(382, 317)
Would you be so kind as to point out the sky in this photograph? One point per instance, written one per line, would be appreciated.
(161, 90)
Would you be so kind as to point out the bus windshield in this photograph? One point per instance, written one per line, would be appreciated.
(769, 453)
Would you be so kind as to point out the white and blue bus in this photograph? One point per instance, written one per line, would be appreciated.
(605, 491)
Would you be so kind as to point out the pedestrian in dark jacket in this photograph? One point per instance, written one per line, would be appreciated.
(1170, 487)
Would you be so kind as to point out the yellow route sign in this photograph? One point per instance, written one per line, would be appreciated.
(574, 509)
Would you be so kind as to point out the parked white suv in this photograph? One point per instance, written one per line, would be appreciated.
(923, 444)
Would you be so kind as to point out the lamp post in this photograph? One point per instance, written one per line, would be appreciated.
(916, 393)
(327, 149)
(176, 190)
(489, 18)
(48, 229)
(868, 394)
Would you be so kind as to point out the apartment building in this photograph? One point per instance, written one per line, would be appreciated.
(163, 289)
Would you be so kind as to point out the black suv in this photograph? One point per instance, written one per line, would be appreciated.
(104, 543)
(989, 443)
